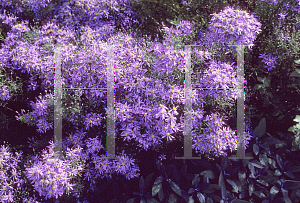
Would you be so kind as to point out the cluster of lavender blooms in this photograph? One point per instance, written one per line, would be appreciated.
(95, 158)
(157, 119)
(234, 25)
(269, 60)
(220, 75)
(143, 117)
(216, 138)
(10, 174)
(38, 115)
(52, 176)
(184, 31)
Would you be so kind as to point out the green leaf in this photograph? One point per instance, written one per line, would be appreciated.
(297, 61)
(201, 197)
(161, 195)
(274, 190)
(277, 173)
(256, 164)
(255, 149)
(260, 79)
(291, 129)
(297, 119)
(289, 174)
(260, 194)
(170, 21)
(222, 185)
(234, 185)
(240, 201)
(269, 141)
(158, 180)
(156, 188)
(267, 83)
(208, 173)
(195, 180)
(178, 20)
(191, 200)
(263, 159)
(242, 176)
(130, 200)
(176, 188)
(172, 198)
(263, 182)
(261, 128)
(257, 86)
(251, 189)
(295, 74)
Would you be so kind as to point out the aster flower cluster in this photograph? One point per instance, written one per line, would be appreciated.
(97, 165)
(184, 31)
(220, 75)
(8, 18)
(10, 174)
(92, 12)
(51, 176)
(39, 113)
(35, 5)
(269, 60)
(141, 75)
(234, 25)
(92, 119)
(14, 6)
(216, 137)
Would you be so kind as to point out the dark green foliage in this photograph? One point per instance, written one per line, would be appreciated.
(272, 176)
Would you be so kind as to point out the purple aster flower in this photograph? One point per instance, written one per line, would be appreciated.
(162, 112)
(4, 93)
(269, 60)
(282, 16)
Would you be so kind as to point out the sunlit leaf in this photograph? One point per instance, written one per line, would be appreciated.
(201, 197)
(156, 188)
(255, 149)
(175, 188)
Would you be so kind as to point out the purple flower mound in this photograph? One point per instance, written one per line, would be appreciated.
(52, 177)
(39, 113)
(236, 25)
(9, 175)
(183, 33)
(183, 29)
(220, 75)
(34, 5)
(217, 138)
